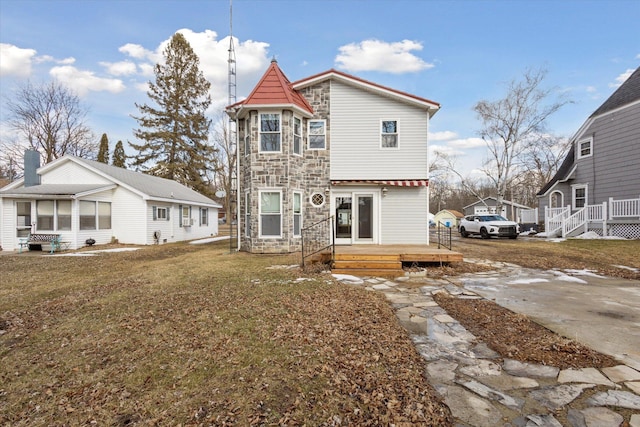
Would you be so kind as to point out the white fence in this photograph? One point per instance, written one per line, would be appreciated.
(627, 208)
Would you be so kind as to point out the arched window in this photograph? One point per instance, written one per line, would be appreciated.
(556, 199)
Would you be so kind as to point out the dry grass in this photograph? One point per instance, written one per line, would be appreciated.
(192, 335)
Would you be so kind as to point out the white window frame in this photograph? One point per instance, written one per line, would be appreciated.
(323, 134)
(87, 203)
(185, 216)
(102, 218)
(161, 213)
(277, 132)
(247, 136)
(296, 135)
(59, 216)
(312, 198)
(297, 233)
(204, 216)
(260, 233)
(574, 189)
(588, 141)
(396, 134)
(247, 214)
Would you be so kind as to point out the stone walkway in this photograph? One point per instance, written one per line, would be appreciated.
(483, 390)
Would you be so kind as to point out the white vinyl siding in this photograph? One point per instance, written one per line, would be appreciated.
(355, 129)
(403, 216)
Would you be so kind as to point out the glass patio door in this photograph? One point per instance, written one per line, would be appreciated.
(355, 219)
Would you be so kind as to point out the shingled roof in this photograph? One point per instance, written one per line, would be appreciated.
(627, 93)
(274, 89)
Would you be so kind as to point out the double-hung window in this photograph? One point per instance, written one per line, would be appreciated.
(317, 135)
(297, 213)
(87, 215)
(585, 148)
(63, 214)
(297, 136)
(104, 215)
(579, 196)
(389, 134)
(270, 132)
(44, 214)
(247, 214)
(204, 216)
(270, 214)
(160, 213)
(247, 137)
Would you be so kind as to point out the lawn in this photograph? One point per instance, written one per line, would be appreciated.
(193, 335)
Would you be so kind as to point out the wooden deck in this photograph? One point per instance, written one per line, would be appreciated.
(386, 260)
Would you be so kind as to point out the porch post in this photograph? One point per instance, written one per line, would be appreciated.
(604, 219)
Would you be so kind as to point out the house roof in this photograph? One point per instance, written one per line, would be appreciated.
(425, 103)
(147, 186)
(452, 212)
(627, 93)
(56, 190)
(274, 89)
(506, 202)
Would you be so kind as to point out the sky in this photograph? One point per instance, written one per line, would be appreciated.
(455, 52)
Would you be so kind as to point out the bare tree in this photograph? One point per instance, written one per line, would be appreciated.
(513, 125)
(224, 165)
(50, 119)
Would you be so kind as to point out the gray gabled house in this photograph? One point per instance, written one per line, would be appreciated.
(597, 187)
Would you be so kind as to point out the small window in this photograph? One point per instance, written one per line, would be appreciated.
(579, 196)
(317, 199)
(204, 216)
(585, 148)
(270, 132)
(389, 134)
(87, 215)
(270, 214)
(63, 214)
(297, 214)
(317, 135)
(297, 136)
(186, 216)
(104, 215)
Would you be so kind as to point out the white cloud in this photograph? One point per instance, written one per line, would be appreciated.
(446, 150)
(467, 143)
(622, 78)
(136, 51)
(83, 82)
(15, 61)
(122, 68)
(442, 136)
(376, 55)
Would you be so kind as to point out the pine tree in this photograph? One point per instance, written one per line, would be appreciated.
(175, 134)
(119, 158)
(103, 151)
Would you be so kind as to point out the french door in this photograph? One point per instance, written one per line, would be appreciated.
(355, 217)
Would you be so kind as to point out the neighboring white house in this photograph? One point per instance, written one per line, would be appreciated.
(510, 210)
(331, 145)
(82, 199)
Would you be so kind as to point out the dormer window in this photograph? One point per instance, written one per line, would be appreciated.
(585, 148)
(270, 132)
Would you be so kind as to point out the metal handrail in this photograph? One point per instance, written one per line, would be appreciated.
(319, 237)
(447, 235)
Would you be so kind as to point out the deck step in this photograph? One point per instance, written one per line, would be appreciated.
(367, 257)
(376, 265)
(362, 272)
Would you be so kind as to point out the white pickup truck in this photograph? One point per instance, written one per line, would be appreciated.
(488, 225)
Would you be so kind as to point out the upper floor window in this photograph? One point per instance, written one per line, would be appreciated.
(247, 137)
(270, 132)
(317, 135)
(389, 134)
(585, 148)
(297, 136)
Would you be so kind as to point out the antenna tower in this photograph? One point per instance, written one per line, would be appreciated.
(232, 197)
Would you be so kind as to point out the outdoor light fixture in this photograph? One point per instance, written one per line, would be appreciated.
(327, 191)
(384, 191)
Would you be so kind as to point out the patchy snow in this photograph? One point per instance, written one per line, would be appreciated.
(209, 240)
(567, 278)
(588, 273)
(624, 267)
(526, 281)
(93, 253)
(348, 279)
(594, 235)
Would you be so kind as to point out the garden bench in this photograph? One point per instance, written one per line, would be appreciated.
(38, 239)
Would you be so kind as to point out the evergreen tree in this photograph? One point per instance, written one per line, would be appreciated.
(119, 157)
(103, 151)
(175, 134)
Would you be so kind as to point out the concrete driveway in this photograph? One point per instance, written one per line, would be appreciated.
(600, 312)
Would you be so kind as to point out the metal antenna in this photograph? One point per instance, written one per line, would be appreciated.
(232, 197)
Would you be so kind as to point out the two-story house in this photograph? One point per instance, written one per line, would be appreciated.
(597, 187)
(331, 145)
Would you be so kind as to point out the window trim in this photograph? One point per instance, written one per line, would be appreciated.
(324, 134)
(269, 236)
(52, 215)
(576, 187)
(204, 217)
(247, 136)
(396, 133)
(80, 215)
(278, 132)
(247, 214)
(579, 150)
(294, 214)
(299, 136)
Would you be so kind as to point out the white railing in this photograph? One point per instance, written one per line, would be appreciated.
(627, 208)
(555, 218)
(575, 221)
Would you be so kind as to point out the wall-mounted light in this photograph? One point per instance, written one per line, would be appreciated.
(384, 191)
(327, 191)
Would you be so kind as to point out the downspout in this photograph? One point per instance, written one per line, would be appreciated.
(238, 220)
